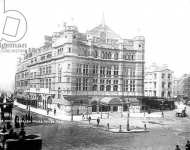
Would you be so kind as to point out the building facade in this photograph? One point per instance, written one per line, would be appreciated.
(182, 86)
(82, 67)
(158, 81)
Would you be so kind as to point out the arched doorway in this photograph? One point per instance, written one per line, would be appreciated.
(112, 104)
(94, 106)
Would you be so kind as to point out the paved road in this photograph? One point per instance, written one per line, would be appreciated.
(79, 136)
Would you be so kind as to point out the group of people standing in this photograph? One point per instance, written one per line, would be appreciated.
(89, 120)
(27, 118)
(187, 146)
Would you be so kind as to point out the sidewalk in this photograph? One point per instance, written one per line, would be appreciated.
(44, 112)
(94, 116)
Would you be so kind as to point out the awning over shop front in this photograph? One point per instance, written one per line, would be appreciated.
(111, 101)
(79, 99)
(130, 100)
(61, 101)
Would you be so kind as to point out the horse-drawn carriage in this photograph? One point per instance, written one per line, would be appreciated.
(181, 113)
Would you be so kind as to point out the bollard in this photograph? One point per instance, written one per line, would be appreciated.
(145, 126)
(119, 128)
(108, 125)
(128, 127)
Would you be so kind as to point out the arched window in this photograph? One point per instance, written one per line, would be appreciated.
(116, 56)
(106, 55)
(115, 88)
(108, 88)
(94, 88)
(96, 53)
(109, 55)
(101, 87)
(102, 55)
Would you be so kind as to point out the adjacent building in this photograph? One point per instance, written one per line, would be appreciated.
(182, 86)
(74, 68)
(158, 81)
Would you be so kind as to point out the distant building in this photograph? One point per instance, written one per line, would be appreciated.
(158, 81)
(182, 86)
(83, 68)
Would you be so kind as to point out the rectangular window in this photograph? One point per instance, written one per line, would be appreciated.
(116, 68)
(68, 66)
(68, 79)
(169, 76)
(108, 71)
(43, 58)
(47, 70)
(163, 75)
(155, 76)
(126, 85)
(69, 50)
(85, 84)
(163, 84)
(78, 84)
(49, 83)
(59, 74)
(93, 69)
(44, 70)
(131, 85)
(40, 71)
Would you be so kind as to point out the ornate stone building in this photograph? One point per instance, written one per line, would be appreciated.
(83, 68)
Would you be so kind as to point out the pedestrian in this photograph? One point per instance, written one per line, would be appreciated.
(31, 119)
(145, 126)
(54, 111)
(177, 147)
(98, 121)
(162, 114)
(89, 119)
(22, 118)
(47, 111)
(26, 117)
(22, 133)
(22, 124)
(187, 146)
(83, 116)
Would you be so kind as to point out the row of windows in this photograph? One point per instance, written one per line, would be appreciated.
(154, 93)
(45, 70)
(46, 83)
(60, 50)
(129, 57)
(163, 76)
(169, 84)
(21, 83)
(129, 85)
(47, 56)
(105, 85)
(104, 70)
(22, 75)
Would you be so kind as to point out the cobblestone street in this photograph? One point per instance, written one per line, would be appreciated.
(80, 135)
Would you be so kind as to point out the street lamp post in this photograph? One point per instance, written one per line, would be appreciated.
(128, 115)
(122, 110)
(28, 104)
(71, 111)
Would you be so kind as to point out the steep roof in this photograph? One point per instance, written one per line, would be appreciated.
(102, 28)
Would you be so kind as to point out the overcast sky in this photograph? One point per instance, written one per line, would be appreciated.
(164, 23)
